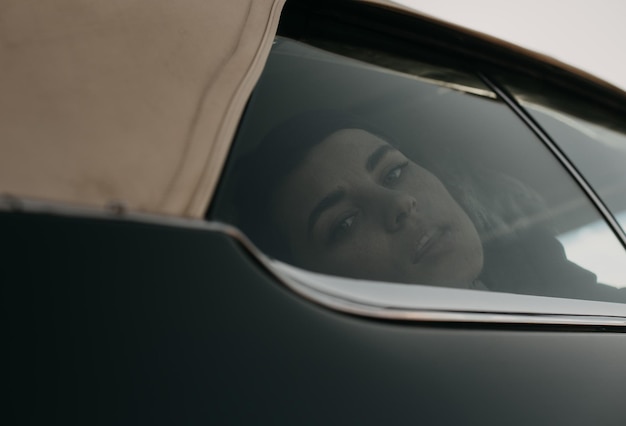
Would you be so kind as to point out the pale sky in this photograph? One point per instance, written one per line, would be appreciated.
(590, 35)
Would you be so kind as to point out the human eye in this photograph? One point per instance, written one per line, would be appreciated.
(342, 228)
(394, 174)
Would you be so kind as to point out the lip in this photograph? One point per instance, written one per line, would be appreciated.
(427, 242)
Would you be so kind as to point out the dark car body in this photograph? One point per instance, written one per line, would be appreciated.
(128, 300)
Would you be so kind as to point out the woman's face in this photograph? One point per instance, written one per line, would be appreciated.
(357, 207)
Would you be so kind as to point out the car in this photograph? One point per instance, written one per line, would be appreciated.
(304, 212)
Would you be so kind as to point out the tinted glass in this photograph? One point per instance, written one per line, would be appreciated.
(592, 137)
(409, 173)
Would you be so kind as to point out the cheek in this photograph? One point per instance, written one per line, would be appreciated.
(433, 197)
(422, 185)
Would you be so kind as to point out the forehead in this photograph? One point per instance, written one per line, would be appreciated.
(339, 157)
(329, 165)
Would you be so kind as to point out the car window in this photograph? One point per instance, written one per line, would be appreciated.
(359, 164)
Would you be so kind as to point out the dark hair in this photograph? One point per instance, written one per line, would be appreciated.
(260, 173)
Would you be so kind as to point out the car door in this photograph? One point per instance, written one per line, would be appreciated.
(122, 309)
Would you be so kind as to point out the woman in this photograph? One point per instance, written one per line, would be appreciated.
(327, 192)
(343, 201)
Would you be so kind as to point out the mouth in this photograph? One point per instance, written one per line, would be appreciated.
(427, 242)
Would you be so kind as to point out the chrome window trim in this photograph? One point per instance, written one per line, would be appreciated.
(426, 303)
(519, 310)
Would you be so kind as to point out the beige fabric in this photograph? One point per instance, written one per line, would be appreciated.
(125, 99)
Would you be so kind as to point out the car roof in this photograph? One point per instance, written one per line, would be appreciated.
(472, 27)
(118, 102)
(587, 35)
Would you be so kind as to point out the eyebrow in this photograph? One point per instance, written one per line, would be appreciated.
(376, 156)
(327, 202)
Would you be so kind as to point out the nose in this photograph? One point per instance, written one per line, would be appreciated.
(398, 210)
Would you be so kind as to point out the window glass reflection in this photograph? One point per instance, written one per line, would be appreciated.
(346, 168)
(593, 138)
(595, 248)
